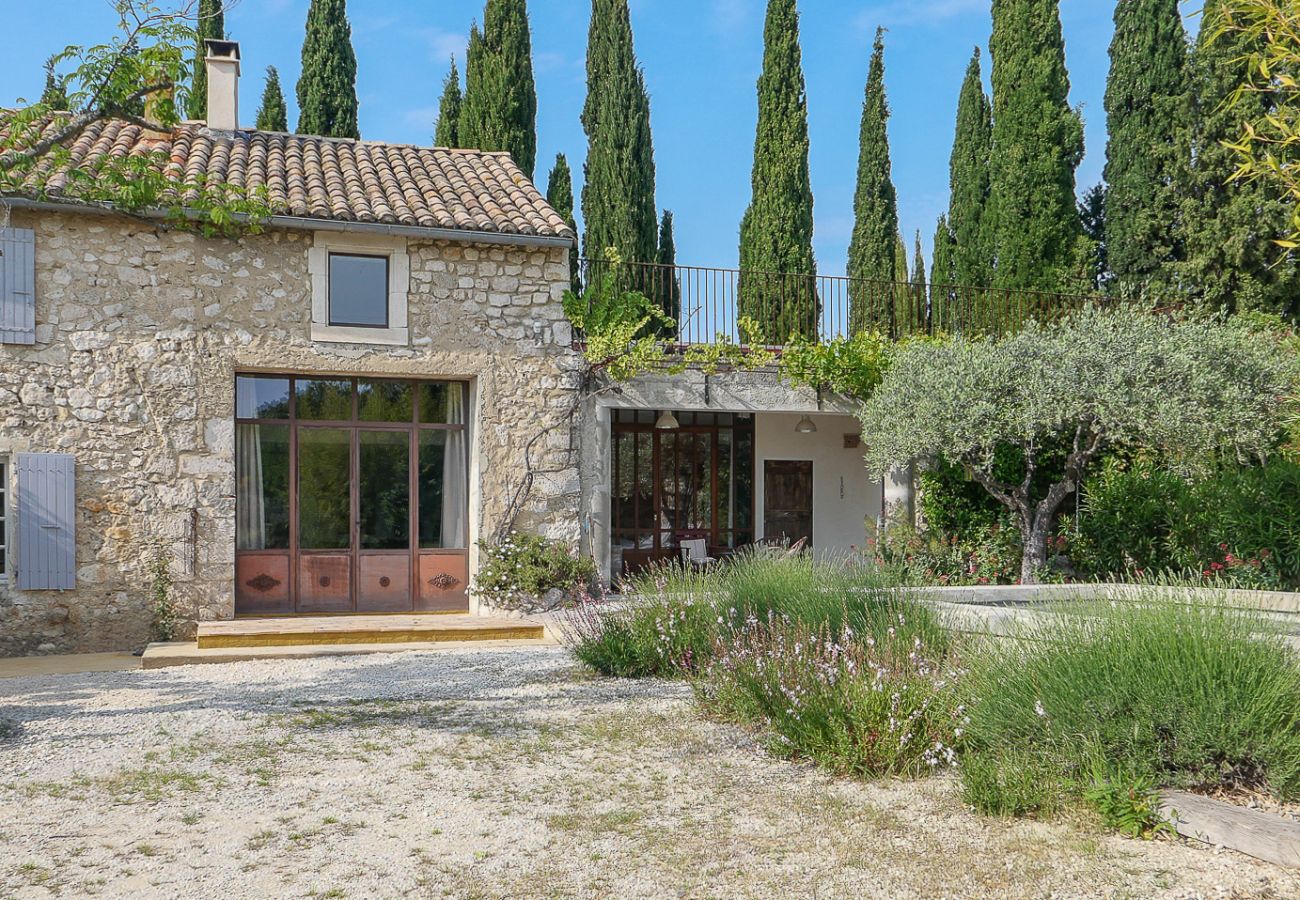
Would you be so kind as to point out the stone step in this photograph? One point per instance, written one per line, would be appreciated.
(298, 631)
(187, 653)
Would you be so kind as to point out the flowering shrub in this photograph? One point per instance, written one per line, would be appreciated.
(528, 572)
(986, 554)
(851, 703)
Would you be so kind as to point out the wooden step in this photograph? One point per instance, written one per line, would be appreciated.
(299, 631)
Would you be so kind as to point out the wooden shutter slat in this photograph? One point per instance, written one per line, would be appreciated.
(46, 513)
(17, 286)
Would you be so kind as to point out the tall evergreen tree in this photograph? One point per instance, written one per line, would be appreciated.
(942, 269)
(902, 311)
(920, 293)
(777, 230)
(1231, 260)
(618, 191)
(875, 203)
(669, 290)
(55, 95)
(1092, 216)
(1037, 144)
(1146, 97)
(968, 174)
(327, 87)
(559, 193)
(499, 110)
(272, 114)
(211, 26)
(446, 131)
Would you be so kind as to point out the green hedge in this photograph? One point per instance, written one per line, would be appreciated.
(1239, 524)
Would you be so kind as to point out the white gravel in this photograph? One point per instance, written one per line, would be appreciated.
(486, 773)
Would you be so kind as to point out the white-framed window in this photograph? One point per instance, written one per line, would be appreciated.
(359, 288)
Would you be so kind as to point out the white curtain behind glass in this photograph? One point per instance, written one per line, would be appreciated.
(250, 506)
(454, 477)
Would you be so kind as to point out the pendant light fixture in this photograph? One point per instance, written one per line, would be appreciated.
(806, 426)
(667, 421)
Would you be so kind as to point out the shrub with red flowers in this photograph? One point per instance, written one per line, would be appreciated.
(984, 554)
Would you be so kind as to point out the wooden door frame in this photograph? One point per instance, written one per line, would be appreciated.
(354, 426)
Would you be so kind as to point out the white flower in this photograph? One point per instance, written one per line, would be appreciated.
(1038, 709)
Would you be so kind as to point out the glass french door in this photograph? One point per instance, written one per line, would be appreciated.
(351, 495)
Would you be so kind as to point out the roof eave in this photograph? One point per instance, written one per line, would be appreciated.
(303, 223)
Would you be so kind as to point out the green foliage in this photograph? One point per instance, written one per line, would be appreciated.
(777, 229)
(983, 553)
(166, 617)
(55, 95)
(875, 203)
(327, 86)
(672, 620)
(1234, 525)
(1094, 262)
(446, 131)
(1093, 379)
(521, 570)
(559, 194)
(943, 276)
(272, 115)
(1127, 804)
(1109, 700)
(1037, 144)
(620, 328)
(1146, 147)
(618, 193)
(851, 367)
(499, 110)
(1231, 260)
(968, 173)
(667, 288)
(854, 705)
(211, 26)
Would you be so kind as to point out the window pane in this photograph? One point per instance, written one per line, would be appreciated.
(324, 488)
(645, 481)
(258, 397)
(262, 487)
(358, 293)
(442, 488)
(324, 399)
(726, 487)
(624, 499)
(743, 476)
(385, 489)
(384, 401)
(442, 403)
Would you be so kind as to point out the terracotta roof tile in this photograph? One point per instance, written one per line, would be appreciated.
(328, 178)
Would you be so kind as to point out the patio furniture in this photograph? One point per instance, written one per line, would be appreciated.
(695, 553)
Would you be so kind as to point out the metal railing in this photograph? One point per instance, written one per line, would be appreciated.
(708, 303)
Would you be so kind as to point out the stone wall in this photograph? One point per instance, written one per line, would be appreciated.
(140, 332)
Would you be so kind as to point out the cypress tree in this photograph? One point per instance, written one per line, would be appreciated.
(1145, 115)
(968, 173)
(942, 266)
(1092, 216)
(271, 114)
(1231, 263)
(211, 26)
(1037, 144)
(55, 95)
(327, 87)
(777, 229)
(618, 191)
(903, 314)
(446, 131)
(875, 203)
(499, 110)
(559, 194)
(669, 290)
(919, 291)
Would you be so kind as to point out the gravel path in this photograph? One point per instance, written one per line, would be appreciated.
(494, 773)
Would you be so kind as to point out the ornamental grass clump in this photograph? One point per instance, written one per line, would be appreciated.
(851, 703)
(1153, 690)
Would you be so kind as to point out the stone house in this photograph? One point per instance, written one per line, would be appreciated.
(330, 415)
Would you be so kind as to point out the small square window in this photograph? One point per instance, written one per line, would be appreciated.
(358, 290)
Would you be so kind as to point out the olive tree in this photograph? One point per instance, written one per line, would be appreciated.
(1195, 390)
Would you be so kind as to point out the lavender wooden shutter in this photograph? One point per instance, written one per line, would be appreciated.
(17, 286)
(47, 556)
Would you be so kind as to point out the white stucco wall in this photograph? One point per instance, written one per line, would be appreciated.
(844, 496)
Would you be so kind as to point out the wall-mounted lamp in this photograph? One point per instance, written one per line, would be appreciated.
(806, 426)
(667, 421)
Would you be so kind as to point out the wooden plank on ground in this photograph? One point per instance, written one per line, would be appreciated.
(1259, 834)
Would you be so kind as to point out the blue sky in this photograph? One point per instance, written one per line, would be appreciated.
(701, 59)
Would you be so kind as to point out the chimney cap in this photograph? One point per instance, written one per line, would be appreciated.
(222, 49)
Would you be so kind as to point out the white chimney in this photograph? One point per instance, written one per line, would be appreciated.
(223, 84)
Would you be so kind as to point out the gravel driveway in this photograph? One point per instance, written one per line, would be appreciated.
(494, 773)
